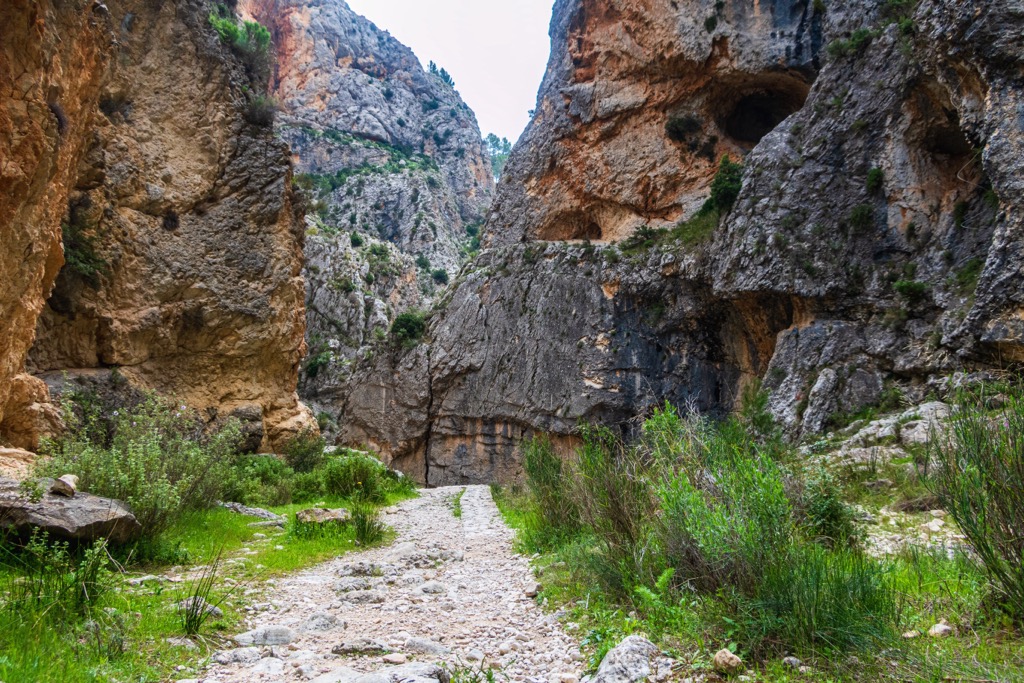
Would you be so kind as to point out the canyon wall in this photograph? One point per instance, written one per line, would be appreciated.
(132, 136)
(871, 250)
(398, 177)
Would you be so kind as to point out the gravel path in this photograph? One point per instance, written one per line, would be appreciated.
(448, 590)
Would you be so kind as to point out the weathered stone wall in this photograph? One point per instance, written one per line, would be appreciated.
(181, 211)
(874, 246)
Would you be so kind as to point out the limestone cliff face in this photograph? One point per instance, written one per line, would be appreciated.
(396, 169)
(874, 246)
(52, 61)
(183, 251)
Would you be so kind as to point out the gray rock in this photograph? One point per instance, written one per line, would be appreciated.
(65, 485)
(340, 675)
(361, 597)
(320, 516)
(361, 646)
(628, 662)
(426, 647)
(259, 513)
(321, 622)
(241, 655)
(270, 666)
(352, 583)
(266, 635)
(433, 588)
(84, 517)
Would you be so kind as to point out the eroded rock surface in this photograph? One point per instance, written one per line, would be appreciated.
(128, 136)
(81, 517)
(396, 171)
(873, 247)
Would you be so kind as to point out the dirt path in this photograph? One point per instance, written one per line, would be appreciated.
(447, 590)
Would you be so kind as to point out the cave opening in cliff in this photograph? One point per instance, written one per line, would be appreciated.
(750, 108)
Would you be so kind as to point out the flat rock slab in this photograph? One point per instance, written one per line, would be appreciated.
(83, 517)
(340, 517)
(266, 635)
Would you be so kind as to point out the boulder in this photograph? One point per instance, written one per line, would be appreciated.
(266, 635)
(727, 663)
(65, 485)
(340, 516)
(627, 662)
(84, 517)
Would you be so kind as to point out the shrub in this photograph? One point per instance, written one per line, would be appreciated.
(820, 598)
(682, 128)
(408, 328)
(80, 243)
(698, 229)
(876, 178)
(259, 480)
(308, 487)
(979, 467)
(305, 451)
(356, 239)
(354, 475)
(422, 262)
(369, 530)
(828, 517)
(260, 110)
(550, 486)
(725, 188)
(440, 276)
(615, 502)
(854, 45)
(912, 290)
(159, 461)
(862, 218)
(249, 40)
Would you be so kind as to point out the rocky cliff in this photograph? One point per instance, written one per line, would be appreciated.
(128, 133)
(398, 177)
(870, 247)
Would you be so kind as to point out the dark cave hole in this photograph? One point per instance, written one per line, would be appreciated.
(948, 140)
(758, 113)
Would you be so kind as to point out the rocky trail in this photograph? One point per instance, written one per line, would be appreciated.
(447, 591)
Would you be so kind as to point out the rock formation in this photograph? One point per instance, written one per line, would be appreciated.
(128, 133)
(873, 246)
(399, 179)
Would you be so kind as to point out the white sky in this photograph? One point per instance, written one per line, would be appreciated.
(494, 49)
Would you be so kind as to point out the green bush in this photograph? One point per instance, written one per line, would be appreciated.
(829, 519)
(682, 128)
(369, 529)
(822, 599)
(912, 290)
(356, 239)
(725, 188)
(52, 581)
(550, 486)
(308, 487)
(440, 276)
(615, 502)
(862, 218)
(158, 461)
(980, 467)
(355, 476)
(408, 328)
(305, 451)
(852, 46)
(249, 40)
(261, 480)
(260, 110)
(875, 181)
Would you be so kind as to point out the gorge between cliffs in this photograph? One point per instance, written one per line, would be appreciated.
(782, 238)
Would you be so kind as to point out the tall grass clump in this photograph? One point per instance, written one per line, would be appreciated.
(157, 459)
(979, 470)
(52, 581)
(552, 515)
(695, 517)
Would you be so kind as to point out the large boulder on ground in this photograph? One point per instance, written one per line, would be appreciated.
(340, 516)
(628, 662)
(83, 517)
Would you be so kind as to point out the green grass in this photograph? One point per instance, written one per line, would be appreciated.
(457, 504)
(824, 602)
(33, 649)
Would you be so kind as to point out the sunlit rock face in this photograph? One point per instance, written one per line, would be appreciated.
(389, 153)
(125, 132)
(873, 247)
